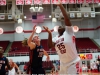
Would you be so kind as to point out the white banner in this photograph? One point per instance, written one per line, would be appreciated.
(86, 14)
(2, 17)
(79, 15)
(72, 15)
(92, 14)
(9, 16)
(17, 16)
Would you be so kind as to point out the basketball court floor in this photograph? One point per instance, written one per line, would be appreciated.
(89, 73)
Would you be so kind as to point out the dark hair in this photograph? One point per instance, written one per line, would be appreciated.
(24, 42)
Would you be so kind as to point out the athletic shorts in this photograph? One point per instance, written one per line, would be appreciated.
(2, 73)
(38, 71)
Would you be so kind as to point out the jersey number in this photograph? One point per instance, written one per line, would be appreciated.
(0, 66)
(61, 47)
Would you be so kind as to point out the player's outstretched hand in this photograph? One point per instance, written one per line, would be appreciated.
(47, 29)
(34, 28)
(58, 3)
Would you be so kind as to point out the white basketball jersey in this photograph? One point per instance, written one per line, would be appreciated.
(65, 46)
(12, 72)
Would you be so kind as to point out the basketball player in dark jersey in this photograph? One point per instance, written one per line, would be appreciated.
(3, 63)
(36, 53)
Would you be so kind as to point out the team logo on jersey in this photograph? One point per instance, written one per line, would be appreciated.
(62, 39)
(40, 52)
(2, 62)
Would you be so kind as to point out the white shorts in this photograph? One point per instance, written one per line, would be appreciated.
(69, 69)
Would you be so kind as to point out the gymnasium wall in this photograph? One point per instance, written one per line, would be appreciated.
(52, 57)
(97, 41)
(88, 28)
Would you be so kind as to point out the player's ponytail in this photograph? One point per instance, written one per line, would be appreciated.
(24, 42)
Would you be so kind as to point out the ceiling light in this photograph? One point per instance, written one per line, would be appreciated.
(25, 17)
(49, 16)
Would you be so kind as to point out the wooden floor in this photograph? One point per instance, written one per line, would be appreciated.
(89, 73)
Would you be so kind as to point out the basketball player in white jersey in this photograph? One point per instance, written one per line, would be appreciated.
(65, 45)
(13, 66)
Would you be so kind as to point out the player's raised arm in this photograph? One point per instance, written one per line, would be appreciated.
(50, 43)
(29, 41)
(16, 67)
(66, 18)
(46, 54)
(7, 64)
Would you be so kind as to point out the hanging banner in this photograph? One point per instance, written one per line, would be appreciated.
(89, 1)
(64, 1)
(78, 67)
(92, 14)
(96, 1)
(2, 17)
(86, 14)
(39, 19)
(86, 56)
(54, 1)
(19, 2)
(28, 2)
(89, 56)
(80, 1)
(82, 56)
(72, 1)
(37, 2)
(79, 15)
(2, 2)
(10, 17)
(46, 1)
(72, 15)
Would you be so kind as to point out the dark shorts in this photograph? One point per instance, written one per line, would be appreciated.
(38, 71)
(2, 73)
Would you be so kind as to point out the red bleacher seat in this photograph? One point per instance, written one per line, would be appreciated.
(4, 44)
(17, 48)
(85, 44)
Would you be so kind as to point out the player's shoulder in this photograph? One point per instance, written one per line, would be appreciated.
(57, 36)
(4, 58)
